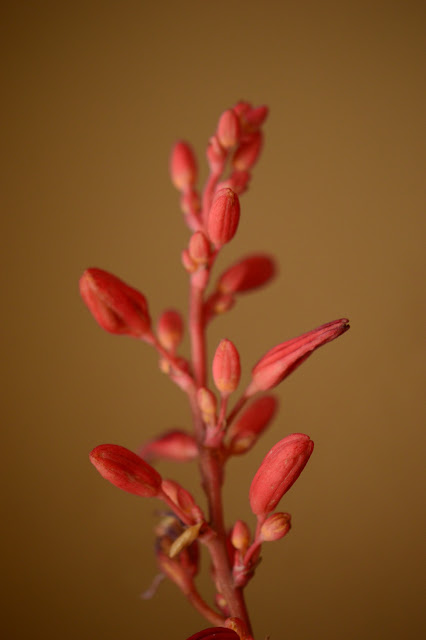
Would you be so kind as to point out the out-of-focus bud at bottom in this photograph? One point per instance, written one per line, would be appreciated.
(215, 633)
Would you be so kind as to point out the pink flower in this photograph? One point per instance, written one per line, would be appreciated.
(116, 307)
(279, 470)
(283, 359)
(126, 470)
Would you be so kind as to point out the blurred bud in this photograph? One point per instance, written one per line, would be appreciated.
(126, 470)
(223, 217)
(279, 470)
(199, 248)
(170, 329)
(275, 527)
(183, 499)
(189, 265)
(245, 431)
(228, 129)
(183, 166)
(238, 181)
(240, 536)
(173, 569)
(116, 307)
(283, 359)
(254, 118)
(215, 633)
(247, 153)
(190, 201)
(207, 403)
(247, 274)
(241, 108)
(216, 156)
(226, 367)
(175, 445)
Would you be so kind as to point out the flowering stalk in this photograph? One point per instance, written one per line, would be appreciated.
(218, 432)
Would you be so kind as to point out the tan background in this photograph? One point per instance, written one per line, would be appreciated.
(94, 94)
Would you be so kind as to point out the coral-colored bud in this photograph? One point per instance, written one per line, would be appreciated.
(183, 166)
(240, 536)
(223, 217)
(254, 118)
(247, 274)
(215, 633)
(126, 470)
(189, 265)
(170, 329)
(228, 129)
(216, 155)
(247, 153)
(116, 307)
(283, 359)
(226, 367)
(245, 431)
(175, 445)
(199, 248)
(279, 470)
(275, 527)
(207, 402)
(173, 569)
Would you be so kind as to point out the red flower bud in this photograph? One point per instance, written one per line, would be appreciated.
(216, 156)
(279, 470)
(247, 274)
(207, 404)
(170, 329)
(126, 470)
(247, 153)
(183, 166)
(228, 129)
(226, 367)
(223, 217)
(116, 307)
(199, 248)
(215, 633)
(283, 359)
(174, 445)
(275, 527)
(240, 536)
(245, 431)
(254, 118)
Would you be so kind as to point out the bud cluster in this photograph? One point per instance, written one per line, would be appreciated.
(213, 216)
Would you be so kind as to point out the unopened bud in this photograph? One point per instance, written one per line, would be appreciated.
(215, 633)
(275, 527)
(240, 536)
(226, 367)
(126, 470)
(175, 445)
(188, 263)
(183, 166)
(170, 329)
(116, 307)
(199, 248)
(247, 153)
(207, 403)
(216, 156)
(223, 217)
(279, 470)
(245, 430)
(228, 129)
(283, 359)
(254, 118)
(247, 274)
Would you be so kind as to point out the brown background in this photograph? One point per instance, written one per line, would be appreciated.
(94, 94)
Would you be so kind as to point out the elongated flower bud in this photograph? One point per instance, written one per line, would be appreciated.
(170, 329)
(275, 527)
(215, 633)
(228, 129)
(247, 274)
(240, 536)
(175, 445)
(279, 470)
(247, 153)
(223, 217)
(283, 359)
(226, 367)
(216, 156)
(183, 166)
(245, 431)
(199, 248)
(116, 307)
(126, 470)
